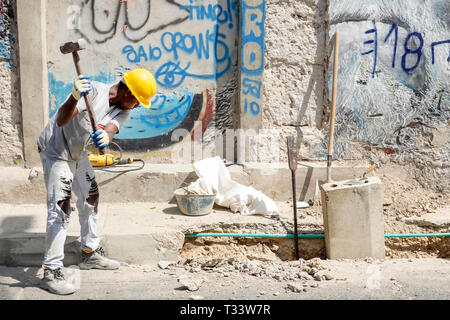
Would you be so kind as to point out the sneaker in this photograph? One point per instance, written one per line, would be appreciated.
(96, 260)
(55, 282)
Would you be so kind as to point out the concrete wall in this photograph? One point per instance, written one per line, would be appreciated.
(11, 148)
(207, 56)
(294, 75)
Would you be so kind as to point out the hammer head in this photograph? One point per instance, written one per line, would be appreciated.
(292, 153)
(71, 47)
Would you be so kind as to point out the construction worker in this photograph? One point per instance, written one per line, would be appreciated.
(66, 166)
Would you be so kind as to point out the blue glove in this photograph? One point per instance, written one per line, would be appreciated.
(81, 86)
(100, 138)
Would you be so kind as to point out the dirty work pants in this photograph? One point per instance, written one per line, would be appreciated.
(61, 177)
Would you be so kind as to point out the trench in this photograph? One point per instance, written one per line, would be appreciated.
(428, 243)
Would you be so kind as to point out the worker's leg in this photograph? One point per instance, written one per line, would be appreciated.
(58, 176)
(86, 189)
(58, 179)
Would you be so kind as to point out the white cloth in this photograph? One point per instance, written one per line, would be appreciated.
(214, 178)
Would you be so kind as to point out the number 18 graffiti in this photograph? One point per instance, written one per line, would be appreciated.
(408, 50)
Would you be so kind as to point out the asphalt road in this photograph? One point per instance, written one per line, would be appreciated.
(403, 279)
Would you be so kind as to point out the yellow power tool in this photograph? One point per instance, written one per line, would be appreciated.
(106, 160)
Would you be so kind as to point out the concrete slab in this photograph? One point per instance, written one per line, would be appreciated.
(157, 182)
(143, 233)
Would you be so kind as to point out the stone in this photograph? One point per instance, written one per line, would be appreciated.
(164, 264)
(190, 283)
(295, 287)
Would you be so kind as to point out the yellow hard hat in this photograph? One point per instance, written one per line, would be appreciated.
(142, 85)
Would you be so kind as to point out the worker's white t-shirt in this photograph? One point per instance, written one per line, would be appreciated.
(69, 142)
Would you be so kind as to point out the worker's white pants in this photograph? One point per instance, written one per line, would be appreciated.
(61, 177)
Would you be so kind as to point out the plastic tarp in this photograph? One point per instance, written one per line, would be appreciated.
(214, 178)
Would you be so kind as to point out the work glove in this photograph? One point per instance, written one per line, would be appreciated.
(81, 86)
(100, 138)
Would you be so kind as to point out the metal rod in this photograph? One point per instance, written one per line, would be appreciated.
(292, 159)
(295, 214)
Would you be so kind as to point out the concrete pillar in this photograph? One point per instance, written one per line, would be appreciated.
(251, 63)
(353, 219)
(33, 74)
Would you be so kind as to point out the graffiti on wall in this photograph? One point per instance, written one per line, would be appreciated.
(394, 65)
(252, 55)
(6, 37)
(193, 44)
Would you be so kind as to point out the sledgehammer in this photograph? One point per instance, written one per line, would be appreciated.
(73, 48)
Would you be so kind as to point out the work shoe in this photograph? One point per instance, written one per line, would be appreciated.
(55, 282)
(96, 260)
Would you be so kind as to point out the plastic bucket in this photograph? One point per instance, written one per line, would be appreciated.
(194, 204)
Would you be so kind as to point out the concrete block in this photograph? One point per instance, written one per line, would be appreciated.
(353, 218)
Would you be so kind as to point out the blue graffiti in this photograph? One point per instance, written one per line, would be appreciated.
(252, 53)
(166, 113)
(170, 75)
(252, 50)
(195, 44)
(6, 36)
(394, 29)
(213, 12)
(254, 107)
(141, 54)
(5, 54)
(408, 51)
(434, 44)
(374, 41)
(203, 46)
(252, 87)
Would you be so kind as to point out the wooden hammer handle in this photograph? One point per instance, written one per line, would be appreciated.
(334, 93)
(370, 169)
(87, 98)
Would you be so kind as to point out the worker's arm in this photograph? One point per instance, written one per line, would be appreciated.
(111, 129)
(68, 110)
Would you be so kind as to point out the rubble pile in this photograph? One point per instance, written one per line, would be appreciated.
(305, 270)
